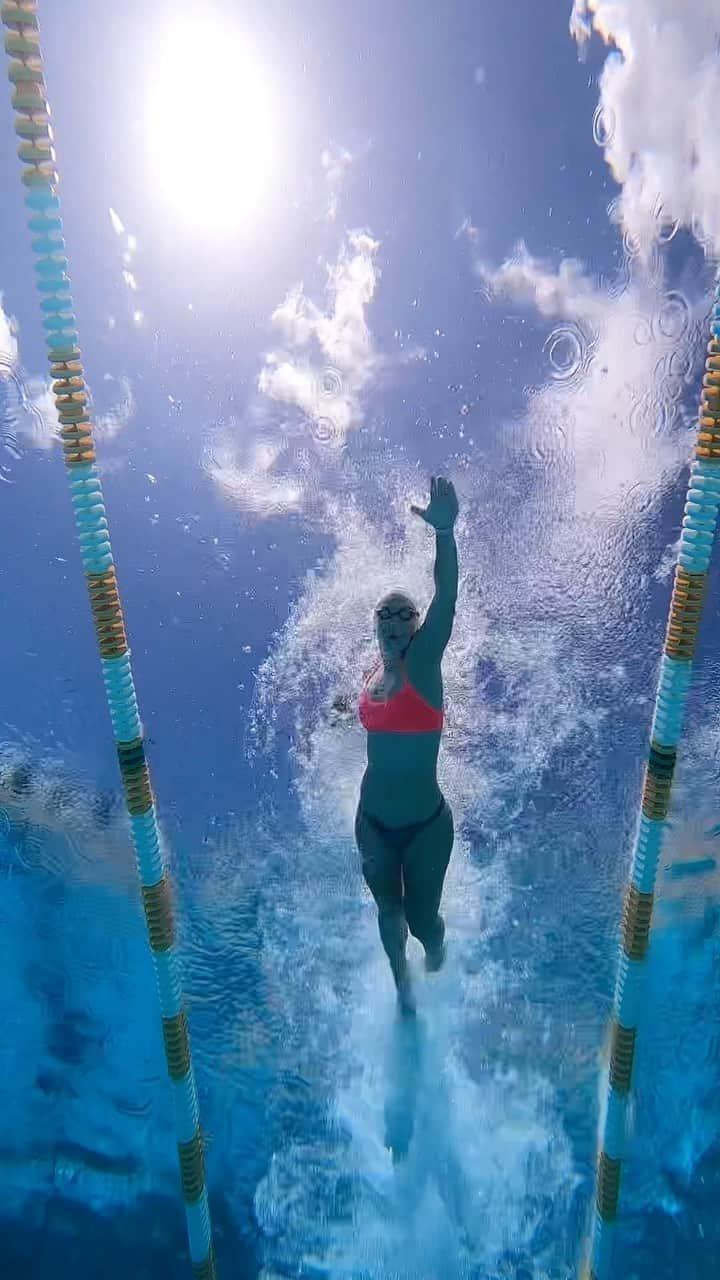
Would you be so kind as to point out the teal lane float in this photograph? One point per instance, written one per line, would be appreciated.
(40, 178)
(696, 543)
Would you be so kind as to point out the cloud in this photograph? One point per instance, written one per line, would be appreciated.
(566, 292)
(619, 364)
(29, 413)
(253, 477)
(325, 360)
(327, 357)
(34, 417)
(621, 357)
(28, 409)
(468, 230)
(656, 120)
(336, 162)
(39, 427)
(110, 424)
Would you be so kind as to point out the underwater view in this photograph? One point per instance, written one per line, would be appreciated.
(360, 688)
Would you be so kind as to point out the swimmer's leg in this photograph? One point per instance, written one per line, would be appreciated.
(381, 865)
(425, 861)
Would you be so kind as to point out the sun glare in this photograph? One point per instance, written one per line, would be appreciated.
(210, 132)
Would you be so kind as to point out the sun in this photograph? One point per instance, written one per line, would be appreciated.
(211, 135)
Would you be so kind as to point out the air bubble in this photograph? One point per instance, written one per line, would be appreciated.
(664, 415)
(668, 229)
(17, 413)
(565, 349)
(673, 317)
(331, 383)
(327, 433)
(701, 235)
(667, 226)
(642, 334)
(603, 126)
(631, 243)
(681, 365)
(11, 446)
(638, 418)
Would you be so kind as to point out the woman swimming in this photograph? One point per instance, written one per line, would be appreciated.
(404, 827)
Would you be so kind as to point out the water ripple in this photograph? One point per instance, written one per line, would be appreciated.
(673, 316)
(603, 126)
(331, 383)
(327, 432)
(566, 349)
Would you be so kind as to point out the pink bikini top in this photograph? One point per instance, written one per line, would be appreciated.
(405, 712)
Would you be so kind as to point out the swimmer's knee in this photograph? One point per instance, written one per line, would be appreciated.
(392, 925)
(419, 921)
(390, 914)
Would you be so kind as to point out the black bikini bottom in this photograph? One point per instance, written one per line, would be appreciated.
(399, 837)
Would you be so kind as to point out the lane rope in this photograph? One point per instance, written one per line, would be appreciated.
(688, 596)
(72, 399)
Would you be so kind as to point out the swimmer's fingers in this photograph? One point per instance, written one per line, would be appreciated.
(442, 509)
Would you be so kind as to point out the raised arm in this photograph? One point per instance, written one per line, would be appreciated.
(434, 634)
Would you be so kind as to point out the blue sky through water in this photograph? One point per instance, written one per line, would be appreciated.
(418, 130)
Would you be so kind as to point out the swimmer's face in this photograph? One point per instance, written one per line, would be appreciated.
(396, 621)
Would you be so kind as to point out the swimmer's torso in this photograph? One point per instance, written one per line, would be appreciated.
(400, 782)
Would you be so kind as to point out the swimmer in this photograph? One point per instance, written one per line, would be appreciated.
(404, 826)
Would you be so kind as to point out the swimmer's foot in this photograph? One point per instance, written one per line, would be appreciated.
(435, 960)
(435, 956)
(406, 1002)
(406, 996)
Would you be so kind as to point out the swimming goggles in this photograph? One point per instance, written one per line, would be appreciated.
(405, 613)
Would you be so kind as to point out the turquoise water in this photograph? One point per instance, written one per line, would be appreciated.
(401, 242)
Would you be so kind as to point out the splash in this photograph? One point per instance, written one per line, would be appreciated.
(420, 1150)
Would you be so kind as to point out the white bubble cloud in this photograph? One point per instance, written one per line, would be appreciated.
(253, 476)
(8, 340)
(617, 368)
(658, 91)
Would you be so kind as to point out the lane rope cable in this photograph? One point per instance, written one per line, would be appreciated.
(40, 178)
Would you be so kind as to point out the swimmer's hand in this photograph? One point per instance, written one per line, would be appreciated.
(442, 510)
